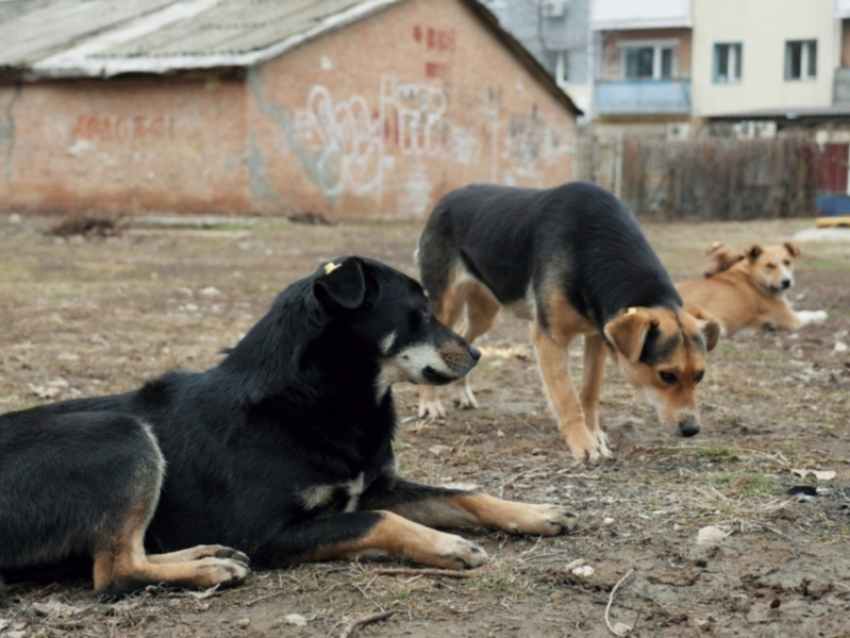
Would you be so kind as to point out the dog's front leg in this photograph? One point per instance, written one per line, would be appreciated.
(443, 507)
(555, 371)
(594, 370)
(354, 534)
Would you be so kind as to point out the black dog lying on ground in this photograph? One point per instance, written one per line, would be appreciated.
(284, 451)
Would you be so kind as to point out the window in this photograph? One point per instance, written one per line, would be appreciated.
(647, 61)
(801, 59)
(557, 66)
(727, 63)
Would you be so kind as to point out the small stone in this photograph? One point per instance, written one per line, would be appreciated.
(243, 623)
(296, 619)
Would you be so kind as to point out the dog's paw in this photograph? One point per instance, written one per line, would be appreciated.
(602, 439)
(431, 410)
(464, 398)
(807, 317)
(220, 551)
(224, 572)
(455, 552)
(590, 454)
(215, 551)
(542, 520)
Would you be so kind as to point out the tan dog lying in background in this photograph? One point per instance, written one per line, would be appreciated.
(747, 289)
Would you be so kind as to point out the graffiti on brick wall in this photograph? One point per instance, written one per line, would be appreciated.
(528, 142)
(119, 127)
(346, 141)
(418, 114)
(348, 145)
(434, 38)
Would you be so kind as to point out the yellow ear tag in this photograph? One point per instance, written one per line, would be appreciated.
(631, 311)
(330, 267)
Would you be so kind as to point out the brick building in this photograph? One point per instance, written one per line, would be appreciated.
(375, 107)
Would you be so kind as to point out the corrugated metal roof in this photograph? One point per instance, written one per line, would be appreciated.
(103, 38)
(74, 38)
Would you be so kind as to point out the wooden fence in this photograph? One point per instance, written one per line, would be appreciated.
(706, 178)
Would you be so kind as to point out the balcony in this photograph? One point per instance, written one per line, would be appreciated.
(643, 97)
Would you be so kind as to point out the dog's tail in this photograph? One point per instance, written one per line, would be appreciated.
(721, 258)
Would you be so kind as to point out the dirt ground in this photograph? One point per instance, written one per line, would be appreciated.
(80, 317)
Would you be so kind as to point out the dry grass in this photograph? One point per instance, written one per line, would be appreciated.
(97, 315)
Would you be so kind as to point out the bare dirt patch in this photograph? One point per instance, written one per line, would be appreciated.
(85, 316)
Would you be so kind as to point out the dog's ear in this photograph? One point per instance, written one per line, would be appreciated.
(753, 251)
(342, 285)
(709, 326)
(792, 248)
(627, 332)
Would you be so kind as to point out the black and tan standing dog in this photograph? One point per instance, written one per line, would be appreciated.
(284, 450)
(573, 260)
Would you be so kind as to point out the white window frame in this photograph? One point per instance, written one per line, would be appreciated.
(658, 46)
(805, 54)
(735, 51)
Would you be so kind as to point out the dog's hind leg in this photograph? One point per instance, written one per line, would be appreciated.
(481, 310)
(594, 370)
(121, 564)
(88, 483)
(448, 306)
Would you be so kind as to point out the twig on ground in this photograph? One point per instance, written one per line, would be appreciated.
(260, 599)
(407, 571)
(611, 602)
(364, 620)
(775, 531)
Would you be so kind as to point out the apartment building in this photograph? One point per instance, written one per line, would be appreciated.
(755, 55)
(667, 66)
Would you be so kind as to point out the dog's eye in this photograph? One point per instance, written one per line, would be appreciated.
(787, 262)
(699, 377)
(770, 266)
(668, 377)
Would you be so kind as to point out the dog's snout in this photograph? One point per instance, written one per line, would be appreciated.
(786, 284)
(689, 428)
(475, 353)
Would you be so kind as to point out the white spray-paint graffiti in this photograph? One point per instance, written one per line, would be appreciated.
(348, 138)
(347, 146)
(419, 111)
